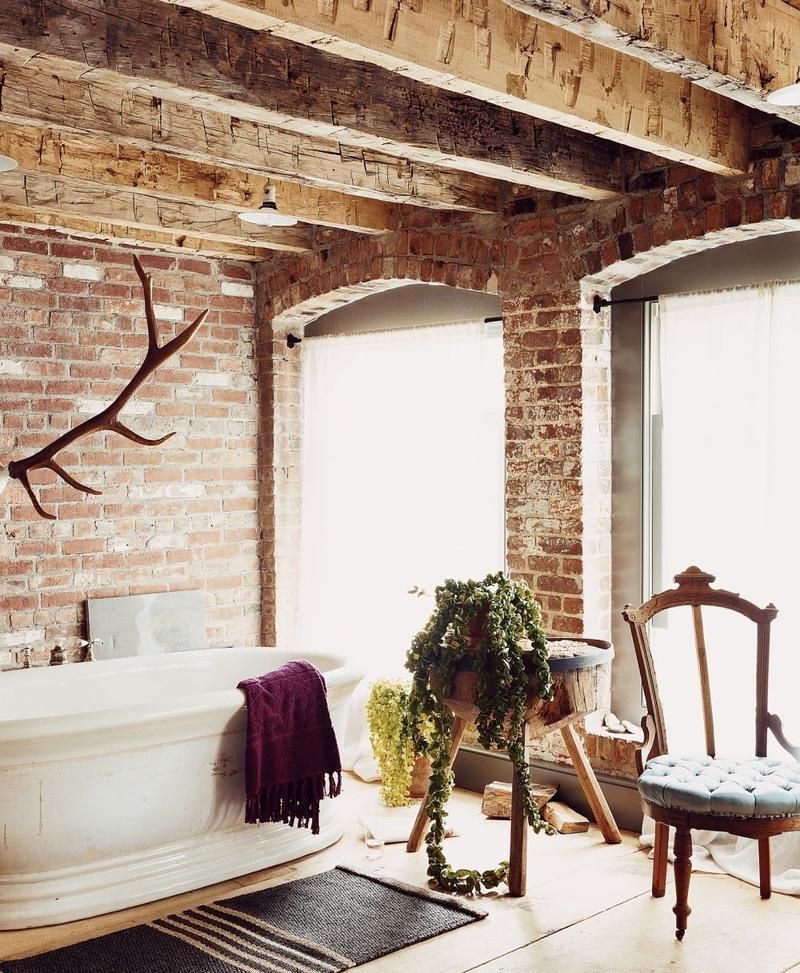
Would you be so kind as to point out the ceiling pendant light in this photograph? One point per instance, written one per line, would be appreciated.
(7, 163)
(267, 214)
(790, 95)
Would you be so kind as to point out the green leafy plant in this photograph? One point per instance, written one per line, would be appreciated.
(387, 717)
(476, 625)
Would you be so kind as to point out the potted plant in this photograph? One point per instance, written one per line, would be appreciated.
(480, 626)
(404, 772)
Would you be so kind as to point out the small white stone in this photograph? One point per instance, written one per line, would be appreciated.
(172, 542)
(212, 378)
(81, 272)
(185, 490)
(23, 282)
(134, 408)
(167, 312)
(21, 637)
(232, 288)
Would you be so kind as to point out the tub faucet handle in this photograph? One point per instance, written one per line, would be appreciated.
(57, 656)
(88, 648)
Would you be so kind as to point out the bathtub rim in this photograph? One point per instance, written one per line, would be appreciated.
(44, 739)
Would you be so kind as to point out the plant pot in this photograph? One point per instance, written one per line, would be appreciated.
(581, 686)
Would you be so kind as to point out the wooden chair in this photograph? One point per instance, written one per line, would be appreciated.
(753, 798)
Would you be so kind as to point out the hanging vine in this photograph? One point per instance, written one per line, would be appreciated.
(476, 624)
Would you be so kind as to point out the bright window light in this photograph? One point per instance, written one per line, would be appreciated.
(402, 481)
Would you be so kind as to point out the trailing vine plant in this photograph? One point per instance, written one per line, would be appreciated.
(387, 717)
(476, 625)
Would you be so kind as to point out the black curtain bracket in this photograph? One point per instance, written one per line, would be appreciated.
(600, 302)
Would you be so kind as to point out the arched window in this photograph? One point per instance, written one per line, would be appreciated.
(403, 480)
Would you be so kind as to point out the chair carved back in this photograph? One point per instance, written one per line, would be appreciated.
(694, 590)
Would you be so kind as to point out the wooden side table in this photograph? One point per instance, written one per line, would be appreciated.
(580, 687)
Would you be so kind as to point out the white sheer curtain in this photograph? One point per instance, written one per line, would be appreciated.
(730, 474)
(728, 483)
(403, 481)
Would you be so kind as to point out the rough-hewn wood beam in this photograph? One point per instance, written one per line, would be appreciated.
(115, 233)
(182, 53)
(77, 198)
(505, 52)
(161, 174)
(74, 100)
(742, 50)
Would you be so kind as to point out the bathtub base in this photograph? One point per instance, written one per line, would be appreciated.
(96, 888)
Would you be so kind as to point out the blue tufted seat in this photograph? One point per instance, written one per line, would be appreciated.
(755, 788)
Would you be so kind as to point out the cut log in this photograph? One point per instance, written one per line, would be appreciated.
(564, 819)
(497, 798)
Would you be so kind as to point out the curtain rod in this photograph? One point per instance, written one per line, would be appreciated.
(292, 339)
(600, 302)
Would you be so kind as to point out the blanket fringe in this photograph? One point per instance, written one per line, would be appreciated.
(295, 803)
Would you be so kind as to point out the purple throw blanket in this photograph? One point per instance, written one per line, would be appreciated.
(292, 758)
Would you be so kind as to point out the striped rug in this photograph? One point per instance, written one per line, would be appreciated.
(321, 924)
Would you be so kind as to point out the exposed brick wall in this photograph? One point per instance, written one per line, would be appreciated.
(545, 257)
(180, 515)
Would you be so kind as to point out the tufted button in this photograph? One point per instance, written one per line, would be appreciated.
(761, 787)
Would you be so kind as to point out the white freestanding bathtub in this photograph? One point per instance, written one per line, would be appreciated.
(122, 782)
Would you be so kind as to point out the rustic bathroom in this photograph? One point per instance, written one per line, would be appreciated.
(397, 506)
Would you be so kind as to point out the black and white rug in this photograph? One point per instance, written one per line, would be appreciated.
(322, 924)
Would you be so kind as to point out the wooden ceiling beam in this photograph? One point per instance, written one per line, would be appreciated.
(161, 174)
(133, 236)
(74, 197)
(182, 54)
(509, 53)
(743, 50)
(76, 101)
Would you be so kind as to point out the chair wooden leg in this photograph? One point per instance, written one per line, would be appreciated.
(683, 873)
(660, 851)
(518, 851)
(764, 868)
(421, 820)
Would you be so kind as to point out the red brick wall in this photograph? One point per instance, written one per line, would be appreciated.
(180, 515)
(186, 514)
(546, 256)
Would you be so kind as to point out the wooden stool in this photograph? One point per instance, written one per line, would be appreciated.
(580, 687)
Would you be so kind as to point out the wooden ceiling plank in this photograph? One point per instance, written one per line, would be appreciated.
(76, 101)
(742, 50)
(179, 53)
(75, 197)
(133, 236)
(510, 53)
(157, 173)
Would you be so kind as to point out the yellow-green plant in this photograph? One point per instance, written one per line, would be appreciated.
(387, 710)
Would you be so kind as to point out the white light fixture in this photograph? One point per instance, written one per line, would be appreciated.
(790, 95)
(267, 214)
(7, 163)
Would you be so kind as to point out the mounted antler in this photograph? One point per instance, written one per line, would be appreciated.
(108, 419)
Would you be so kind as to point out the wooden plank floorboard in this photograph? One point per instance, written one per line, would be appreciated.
(588, 906)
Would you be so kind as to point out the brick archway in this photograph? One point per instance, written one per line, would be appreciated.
(281, 426)
(596, 409)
